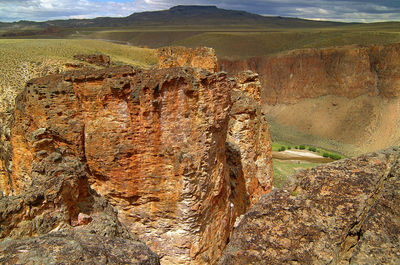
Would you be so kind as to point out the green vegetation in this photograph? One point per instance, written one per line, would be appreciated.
(332, 156)
(312, 149)
(283, 169)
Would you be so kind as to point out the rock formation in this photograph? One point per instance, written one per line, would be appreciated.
(348, 71)
(48, 209)
(340, 98)
(344, 212)
(97, 59)
(202, 57)
(153, 143)
(248, 132)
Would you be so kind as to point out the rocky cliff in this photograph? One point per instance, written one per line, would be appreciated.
(348, 71)
(153, 144)
(67, 220)
(341, 98)
(345, 212)
(201, 57)
(248, 132)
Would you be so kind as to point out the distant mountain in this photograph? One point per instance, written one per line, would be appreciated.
(179, 16)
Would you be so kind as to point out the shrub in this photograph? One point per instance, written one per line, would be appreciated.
(289, 147)
(332, 156)
(312, 149)
(335, 157)
(302, 147)
(296, 147)
(282, 149)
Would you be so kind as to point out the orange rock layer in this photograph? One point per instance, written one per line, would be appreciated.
(348, 71)
(153, 143)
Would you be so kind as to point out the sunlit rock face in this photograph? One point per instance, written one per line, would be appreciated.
(154, 144)
(344, 212)
(348, 71)
(248, 131)
(201, 57)
(166, 147)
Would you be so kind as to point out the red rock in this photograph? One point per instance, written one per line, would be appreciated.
(202, 57)
(84, 219)
(249, 132)
(154, 144)
(348, 71)
(97, 59)
(339, 213)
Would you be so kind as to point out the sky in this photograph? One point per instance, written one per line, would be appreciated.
(335, 10)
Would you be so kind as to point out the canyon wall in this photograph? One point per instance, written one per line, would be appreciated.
(341, 98)
(345, 212)
(348, 71)
(154, 144)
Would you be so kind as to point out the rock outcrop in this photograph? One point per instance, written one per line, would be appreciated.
(348, 71)
(201, 57)
(248, 131)
(48, 211)
(96, 59)
(153, 145)
(344, 212)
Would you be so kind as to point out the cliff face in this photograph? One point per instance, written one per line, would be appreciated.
(153, 143)
(343, 98)
(201, 57)
(340, 213)
(70, 222)
(348, 71)
(248, 131)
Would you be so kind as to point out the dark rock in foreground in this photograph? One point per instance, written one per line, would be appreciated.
(75, 247)
(347, 212)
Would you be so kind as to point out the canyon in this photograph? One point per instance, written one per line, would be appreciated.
(173, 165)
(355, 88)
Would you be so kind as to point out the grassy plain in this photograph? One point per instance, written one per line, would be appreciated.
(243, 41)
(23, 59)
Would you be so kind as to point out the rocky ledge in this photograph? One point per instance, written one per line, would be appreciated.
(153, 143)
(345, 212)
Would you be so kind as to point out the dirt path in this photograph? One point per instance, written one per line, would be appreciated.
(301, 155)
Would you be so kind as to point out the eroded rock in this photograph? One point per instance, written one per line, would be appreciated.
(201, 57)
(344, 212)
(348, 71)
(154, 145)
(96, 59)
(45, 210)
(248, 130)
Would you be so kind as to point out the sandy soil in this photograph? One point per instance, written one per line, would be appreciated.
(302, 155)
(348, 126)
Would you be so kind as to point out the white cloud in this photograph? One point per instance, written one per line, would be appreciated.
(351, 10)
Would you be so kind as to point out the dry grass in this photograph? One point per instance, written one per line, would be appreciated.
(21, 60)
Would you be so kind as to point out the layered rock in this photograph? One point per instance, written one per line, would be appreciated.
(48, 211)
(348, 71)
(96, 59)
(201, 57)
(344, 212)
(154, 144)
(249, 133)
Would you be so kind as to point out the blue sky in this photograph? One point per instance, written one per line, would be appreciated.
(338, 10)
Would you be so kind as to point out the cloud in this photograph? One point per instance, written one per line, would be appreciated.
(339, 10)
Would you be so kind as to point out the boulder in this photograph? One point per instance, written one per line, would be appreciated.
(346, 212)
